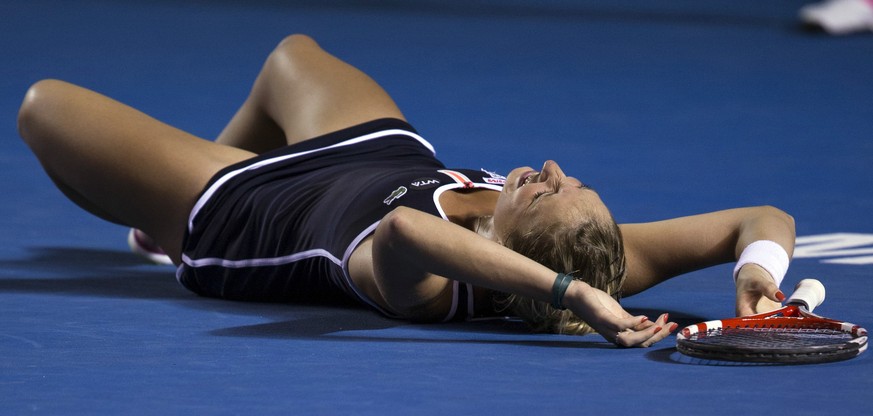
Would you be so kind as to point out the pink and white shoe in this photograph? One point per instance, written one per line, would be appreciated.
(140, 243)
(839, 17)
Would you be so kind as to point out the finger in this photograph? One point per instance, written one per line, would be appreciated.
(771, 291)
(632, 338)
(668, 330)
(766, 298)
(766, 305)
(626, 326)
(745, 307)
(644, 323)
(645, 336)
(777, 296)
(662, 319)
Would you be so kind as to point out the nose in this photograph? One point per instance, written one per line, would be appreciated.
(551, 170)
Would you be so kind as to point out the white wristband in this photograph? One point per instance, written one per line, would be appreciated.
(767, 254)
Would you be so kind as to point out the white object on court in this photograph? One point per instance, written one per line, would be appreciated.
(840, 17)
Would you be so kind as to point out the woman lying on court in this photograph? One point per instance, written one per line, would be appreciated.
(318, 188)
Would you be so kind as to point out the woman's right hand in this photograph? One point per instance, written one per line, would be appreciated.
(611, 321)
(757, 291)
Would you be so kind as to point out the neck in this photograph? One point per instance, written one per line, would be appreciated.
(471, 209)
(484, 226)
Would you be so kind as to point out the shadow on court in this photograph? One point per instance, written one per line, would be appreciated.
(118, 274)
(347, 326)
(87, 272)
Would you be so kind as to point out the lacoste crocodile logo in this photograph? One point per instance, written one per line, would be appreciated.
(399, 192)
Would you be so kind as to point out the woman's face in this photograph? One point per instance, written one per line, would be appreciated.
(532, 199)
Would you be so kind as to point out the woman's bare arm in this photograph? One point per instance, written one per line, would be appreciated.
(660, 250)
(412, 251)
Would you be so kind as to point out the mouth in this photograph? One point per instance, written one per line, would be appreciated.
(526, 178)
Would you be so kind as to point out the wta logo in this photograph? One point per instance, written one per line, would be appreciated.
(424, 183)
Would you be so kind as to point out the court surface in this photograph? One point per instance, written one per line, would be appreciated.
(667, 108)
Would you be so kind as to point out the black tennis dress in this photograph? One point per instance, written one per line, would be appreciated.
(282, 226)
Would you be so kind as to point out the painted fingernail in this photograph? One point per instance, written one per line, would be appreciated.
(780, 296)
(673, 327)
(658, 329)
(645, 318)
(666, 317)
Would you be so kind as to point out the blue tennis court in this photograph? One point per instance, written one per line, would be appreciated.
(668, 108)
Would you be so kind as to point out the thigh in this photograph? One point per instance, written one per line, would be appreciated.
(118, 162)
(303, 92)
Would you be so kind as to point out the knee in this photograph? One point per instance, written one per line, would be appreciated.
(35, 107)
(29, 112)
(292, 53)
(290, 61)
(296, 44)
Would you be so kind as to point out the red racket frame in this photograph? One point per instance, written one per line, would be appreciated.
(791, 316)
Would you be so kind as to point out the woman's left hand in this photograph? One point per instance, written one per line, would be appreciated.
(756, 291)
(611, 321)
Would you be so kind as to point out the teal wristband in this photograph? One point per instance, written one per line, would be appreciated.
(562, 282)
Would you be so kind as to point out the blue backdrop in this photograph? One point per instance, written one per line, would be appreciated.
(668, 108)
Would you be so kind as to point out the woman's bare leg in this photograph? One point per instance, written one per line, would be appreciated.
(129, 168)
(303, 92)
(119, 163)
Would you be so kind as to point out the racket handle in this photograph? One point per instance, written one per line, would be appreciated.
(809, 293)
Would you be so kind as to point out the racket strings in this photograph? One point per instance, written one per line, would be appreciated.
(771, 337)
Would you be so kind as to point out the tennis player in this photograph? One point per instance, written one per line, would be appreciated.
(318, 188)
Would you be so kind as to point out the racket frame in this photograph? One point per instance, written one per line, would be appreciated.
(790, 316)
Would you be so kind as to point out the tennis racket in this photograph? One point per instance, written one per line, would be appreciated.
(790, 335)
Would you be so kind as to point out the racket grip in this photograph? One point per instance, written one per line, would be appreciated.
(809, 293)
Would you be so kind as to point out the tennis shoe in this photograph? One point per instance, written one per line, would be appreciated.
(140, 243)
(839, 17)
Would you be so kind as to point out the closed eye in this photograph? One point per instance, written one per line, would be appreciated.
(560, 185)
(537, 195)
(536, 198)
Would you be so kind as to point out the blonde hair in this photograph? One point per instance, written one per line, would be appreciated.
(592, 252)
